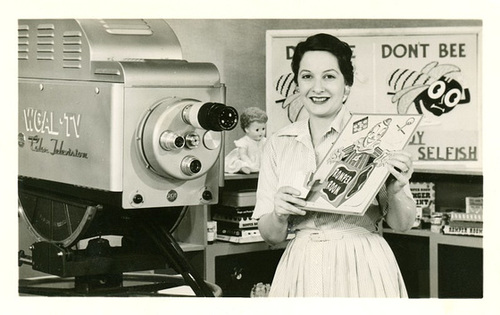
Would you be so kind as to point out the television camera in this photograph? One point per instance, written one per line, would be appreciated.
(118, 135)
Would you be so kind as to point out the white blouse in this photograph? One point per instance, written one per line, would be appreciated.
(289, 156)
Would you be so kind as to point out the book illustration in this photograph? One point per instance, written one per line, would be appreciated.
(353, 171)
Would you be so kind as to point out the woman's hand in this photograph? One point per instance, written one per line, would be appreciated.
(400, 165)
(286, 202)
(273, 226)
(401, 207)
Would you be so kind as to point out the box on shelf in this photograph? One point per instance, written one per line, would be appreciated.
(424, 195)
(238, 198)
(474, 205)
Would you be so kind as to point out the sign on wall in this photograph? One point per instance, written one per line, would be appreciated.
(435, 72)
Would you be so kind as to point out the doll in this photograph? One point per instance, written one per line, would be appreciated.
(245, 158)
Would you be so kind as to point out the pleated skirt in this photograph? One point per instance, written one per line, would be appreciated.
(349, 263)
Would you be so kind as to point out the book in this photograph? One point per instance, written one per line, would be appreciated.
(240, 239)
(353, 171)
(467, 217)
(239, 198)
(468, 231)
(234, 211)
(236, 222)
(471, 224)
(238, 232)
(246, 239)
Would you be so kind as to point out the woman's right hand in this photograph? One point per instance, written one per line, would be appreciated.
(286, 202)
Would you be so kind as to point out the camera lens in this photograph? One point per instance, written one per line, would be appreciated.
(211, 116)
(192, 140)
(195, 166)
(190, 165)
(171, 141)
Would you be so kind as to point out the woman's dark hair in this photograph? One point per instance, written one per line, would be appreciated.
(333, 45)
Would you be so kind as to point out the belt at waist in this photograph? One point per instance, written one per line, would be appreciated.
(330, 234)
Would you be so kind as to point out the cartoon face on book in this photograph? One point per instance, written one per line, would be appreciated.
(357, 160)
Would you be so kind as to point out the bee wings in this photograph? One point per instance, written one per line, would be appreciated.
(435, 71)
(406, 96)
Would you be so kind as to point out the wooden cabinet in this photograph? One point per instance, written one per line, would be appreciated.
(433, 265)
(437, 265)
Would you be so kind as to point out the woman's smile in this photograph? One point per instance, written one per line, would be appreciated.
(319, 100)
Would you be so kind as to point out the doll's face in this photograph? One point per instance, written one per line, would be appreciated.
(256, 130)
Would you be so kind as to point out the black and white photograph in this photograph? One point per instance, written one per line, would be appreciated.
(281, 156)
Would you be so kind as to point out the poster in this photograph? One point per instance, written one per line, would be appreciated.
(354, 169)
(435, 72)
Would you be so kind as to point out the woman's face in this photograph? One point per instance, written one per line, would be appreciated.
(321, 84)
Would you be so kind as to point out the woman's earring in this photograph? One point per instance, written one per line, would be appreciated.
(344, 99)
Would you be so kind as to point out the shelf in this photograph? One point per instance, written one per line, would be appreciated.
(449, 170)
(438, 238)
(219, 248)
(189, 247)
(241, 176)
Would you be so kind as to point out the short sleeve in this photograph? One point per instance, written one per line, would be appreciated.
(267, 182)
(241, 143)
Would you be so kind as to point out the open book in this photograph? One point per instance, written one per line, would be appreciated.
(354, 170)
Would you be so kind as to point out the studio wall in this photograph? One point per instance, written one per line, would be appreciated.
(238, 48)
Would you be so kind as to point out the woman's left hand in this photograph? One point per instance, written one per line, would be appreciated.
(400, 165)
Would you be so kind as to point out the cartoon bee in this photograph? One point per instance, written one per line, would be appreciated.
(432, 89)
(287, 88)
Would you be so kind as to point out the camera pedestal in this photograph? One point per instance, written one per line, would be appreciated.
(100, 269)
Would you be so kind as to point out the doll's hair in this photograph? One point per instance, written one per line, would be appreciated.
(250, 115)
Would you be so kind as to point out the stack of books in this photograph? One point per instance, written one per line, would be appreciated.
(469, 223)
(235, 224)
(234, 217)
(460, 223)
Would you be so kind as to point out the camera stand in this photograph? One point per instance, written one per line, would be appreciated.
(100, 269)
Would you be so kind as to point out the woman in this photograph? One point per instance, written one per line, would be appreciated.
(332, 254)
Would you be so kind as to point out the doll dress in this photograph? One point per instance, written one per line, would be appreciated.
(233, 162)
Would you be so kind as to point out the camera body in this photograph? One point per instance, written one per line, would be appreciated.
(110, 106)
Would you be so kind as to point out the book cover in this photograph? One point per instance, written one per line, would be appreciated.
(468, 231)
(424, 195)
(353, 171)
